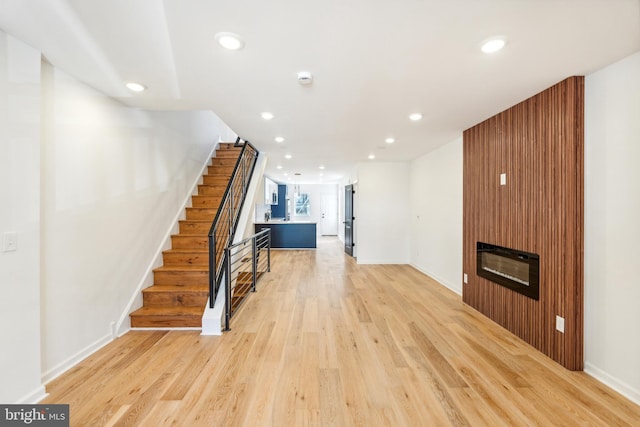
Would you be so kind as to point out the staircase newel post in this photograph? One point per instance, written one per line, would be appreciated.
(212, 273)
(254, 266)
(227, 292)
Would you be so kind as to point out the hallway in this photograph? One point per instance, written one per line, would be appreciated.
(326, 341)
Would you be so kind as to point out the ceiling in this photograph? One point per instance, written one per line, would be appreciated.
(373, 61)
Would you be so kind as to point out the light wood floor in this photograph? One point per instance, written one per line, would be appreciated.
(328, 342)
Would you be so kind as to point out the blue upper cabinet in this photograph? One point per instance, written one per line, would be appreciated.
(280, 210)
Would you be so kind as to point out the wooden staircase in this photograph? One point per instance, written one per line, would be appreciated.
(181, 286)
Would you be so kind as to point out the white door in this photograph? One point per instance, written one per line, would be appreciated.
(329, 220)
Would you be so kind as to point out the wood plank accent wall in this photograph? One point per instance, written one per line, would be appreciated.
(539, 144)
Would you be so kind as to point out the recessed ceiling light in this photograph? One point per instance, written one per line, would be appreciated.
(372, 156)
(415, 117)
(287, 156)
(389, 140)
(135, 87)
(229, 41)
(286, 174)
(267, 115)
(305, 78)
(493, 44)
(279, 139)
(279, 167)
(321, 167)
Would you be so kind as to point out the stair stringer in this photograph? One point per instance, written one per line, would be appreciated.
(124, 322)
(212, 317)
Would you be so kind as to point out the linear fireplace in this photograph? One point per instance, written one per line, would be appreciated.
(516, 270)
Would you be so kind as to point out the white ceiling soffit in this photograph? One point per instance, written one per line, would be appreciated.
(373, 63)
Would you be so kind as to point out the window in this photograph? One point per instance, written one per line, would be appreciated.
(302, 205)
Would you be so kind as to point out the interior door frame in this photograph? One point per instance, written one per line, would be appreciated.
(332, 215)
(349, 218)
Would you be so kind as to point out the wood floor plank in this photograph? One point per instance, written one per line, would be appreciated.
(327, 342)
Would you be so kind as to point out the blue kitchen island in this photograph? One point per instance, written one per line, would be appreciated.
(290, 234)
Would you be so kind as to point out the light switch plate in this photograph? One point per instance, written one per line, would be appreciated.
(503, 179)
(465, 278)
(10, 241)
(560, 324)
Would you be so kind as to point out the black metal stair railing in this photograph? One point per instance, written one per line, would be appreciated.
(245, 263)
(225, 222)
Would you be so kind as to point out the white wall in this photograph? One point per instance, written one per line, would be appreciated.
(20, 212)
(436, 214)
(114, 179)
(382, 213)
(612, 225)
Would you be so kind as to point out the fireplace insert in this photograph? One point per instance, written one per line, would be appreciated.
(516, 270)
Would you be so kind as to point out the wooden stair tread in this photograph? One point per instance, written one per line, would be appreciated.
(173, 316)
(176, 288)
(196, 221)
(169, 311)
(185, 267)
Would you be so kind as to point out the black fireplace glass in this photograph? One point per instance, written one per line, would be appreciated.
(514, 269)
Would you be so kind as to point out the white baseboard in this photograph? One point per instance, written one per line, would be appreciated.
(34, 397)
(381, 261)
(620, 386)
(61, 368)
(440, 280)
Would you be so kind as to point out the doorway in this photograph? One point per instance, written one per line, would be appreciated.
(329, 219)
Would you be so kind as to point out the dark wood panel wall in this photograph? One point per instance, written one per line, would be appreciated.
(539, 145)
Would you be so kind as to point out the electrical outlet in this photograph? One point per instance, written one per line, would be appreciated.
(560, 324)
(465, 278)
(503, 179)
(10, 241)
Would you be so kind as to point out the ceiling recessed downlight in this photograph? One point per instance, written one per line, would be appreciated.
(389, 140)
(371, 156)
(229, 41)
(305, 78)
(279, 167)
(135, 87)
(287, 156)
(415, 117)
(493, 45)
(267, 115)
(279, 139)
